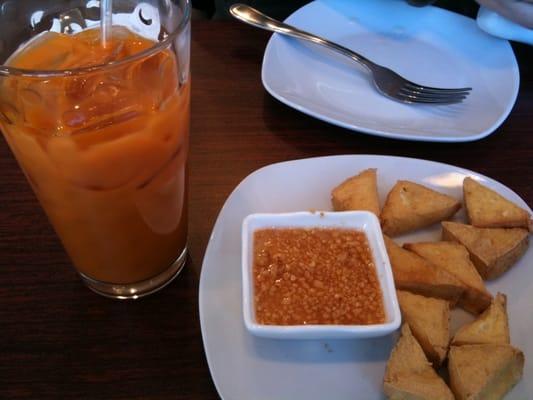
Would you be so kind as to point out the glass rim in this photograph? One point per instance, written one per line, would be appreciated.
(6, 71)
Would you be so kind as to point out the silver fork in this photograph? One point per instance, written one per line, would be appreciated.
(386, 81)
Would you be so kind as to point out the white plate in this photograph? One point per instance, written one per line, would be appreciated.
(248, 367)
(428, 45)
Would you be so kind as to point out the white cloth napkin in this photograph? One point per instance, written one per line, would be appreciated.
(497, 25)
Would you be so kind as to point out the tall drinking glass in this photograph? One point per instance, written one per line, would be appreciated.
(101, 131)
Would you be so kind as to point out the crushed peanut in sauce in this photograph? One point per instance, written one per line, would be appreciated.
(315, 276)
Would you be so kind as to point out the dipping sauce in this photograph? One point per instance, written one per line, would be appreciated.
(315, 276)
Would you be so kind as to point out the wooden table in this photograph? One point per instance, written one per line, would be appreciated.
(58, 340)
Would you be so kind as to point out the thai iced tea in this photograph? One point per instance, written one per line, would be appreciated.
(105, 150)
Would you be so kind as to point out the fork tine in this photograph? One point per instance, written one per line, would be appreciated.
(436, 96)
(430, 100)
(434, 102)
(428, 89)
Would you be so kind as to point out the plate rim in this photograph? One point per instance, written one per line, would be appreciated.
(384, 133)
(278, 164)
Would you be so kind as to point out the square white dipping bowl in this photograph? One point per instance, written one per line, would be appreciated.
(359, 220)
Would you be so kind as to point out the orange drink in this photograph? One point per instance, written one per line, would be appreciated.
(104, 146)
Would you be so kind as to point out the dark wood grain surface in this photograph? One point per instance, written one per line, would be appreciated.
(58, 340)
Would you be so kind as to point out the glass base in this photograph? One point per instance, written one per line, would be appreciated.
(137, 289)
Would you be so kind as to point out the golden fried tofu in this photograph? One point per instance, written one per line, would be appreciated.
(359, 192)
(409, 375)
(413, 273)
(454, 258)
(484, 371)
(492, 250)
(410, 206)
(487, 209)
(492, 326)
(429, 320)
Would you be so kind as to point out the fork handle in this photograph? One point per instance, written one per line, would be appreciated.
(256, 18)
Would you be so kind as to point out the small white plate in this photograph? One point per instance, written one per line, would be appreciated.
(428, 45)
(247, 367)
(362, 221)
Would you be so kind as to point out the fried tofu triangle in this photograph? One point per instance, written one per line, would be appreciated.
(487, 209)
(414, 274)
(492, 250)
(359, 192)
(409, 375)
(484, 371)
(410, 206)
(491, 327)
(454, 258)
(429, 320)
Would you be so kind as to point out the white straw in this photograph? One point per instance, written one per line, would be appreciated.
(106, 20)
